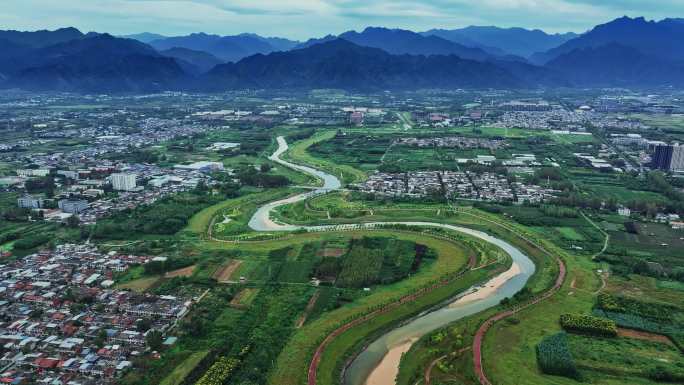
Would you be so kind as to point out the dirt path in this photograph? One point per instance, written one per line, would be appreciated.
(603, 282)
(307, 310)
(428, 371)
(606, 236)
(639, 335)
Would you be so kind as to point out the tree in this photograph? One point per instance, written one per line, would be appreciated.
(41, 184)
(73, 221)
(154, 339)
(143, 324)
(631, 227)
(15, 214)
(101, 338)
(265, 167)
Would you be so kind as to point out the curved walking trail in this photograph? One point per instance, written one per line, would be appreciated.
(479, 335)
(373, 362)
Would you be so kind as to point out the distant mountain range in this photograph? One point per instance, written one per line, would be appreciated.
(227, 48)
(92, 63)
(663, 39)
(194, 62)
(41, 38)
(144, 37)
(400, 42)
(624, 52)
(503, 41)
(342, 64)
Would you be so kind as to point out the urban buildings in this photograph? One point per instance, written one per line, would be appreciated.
(123, 181)
(30, 202)
(203, 166)
(669, 158)
(72, 206)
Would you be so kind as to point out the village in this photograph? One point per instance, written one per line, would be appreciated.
(466, 185)
(63, 320)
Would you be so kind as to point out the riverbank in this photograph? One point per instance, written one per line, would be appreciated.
(261, 221)
(385, 373)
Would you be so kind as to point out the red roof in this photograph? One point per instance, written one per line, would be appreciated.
(46, 363)
(69, 329)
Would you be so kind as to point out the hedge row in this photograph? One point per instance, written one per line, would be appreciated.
(588, 325)
(218, 373)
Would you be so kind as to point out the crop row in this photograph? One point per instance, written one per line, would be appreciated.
(652, 310)
(588, 324)
(219, 371)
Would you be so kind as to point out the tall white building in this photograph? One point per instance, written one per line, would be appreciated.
(677, 162)
(123, 181)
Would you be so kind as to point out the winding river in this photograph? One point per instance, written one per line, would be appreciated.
(378, 363)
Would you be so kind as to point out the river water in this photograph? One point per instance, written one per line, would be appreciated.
(378, 363)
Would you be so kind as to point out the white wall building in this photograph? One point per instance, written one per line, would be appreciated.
(123, 181)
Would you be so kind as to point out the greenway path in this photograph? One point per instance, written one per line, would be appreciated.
(504, 285)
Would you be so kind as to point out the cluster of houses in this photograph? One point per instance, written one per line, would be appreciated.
(452, 142)
(62, 322)
(556, 118)
(83, 191)
(484, 186)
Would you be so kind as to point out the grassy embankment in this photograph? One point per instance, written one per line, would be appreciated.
(297, 154)
(293, 361)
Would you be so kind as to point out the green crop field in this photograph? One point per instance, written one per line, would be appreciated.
(181, 371)
(298, 154)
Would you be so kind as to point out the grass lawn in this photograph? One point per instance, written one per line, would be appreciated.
(297, 153)
(674, 285)
(178, 374)
(139, 285)
(6, 246)
(570, 233)
(640, 287)
(245, 297)
(622, 357)
(620, 193)
(509, 349)
(245, 206)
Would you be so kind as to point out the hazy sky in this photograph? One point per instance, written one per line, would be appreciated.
(302, 19)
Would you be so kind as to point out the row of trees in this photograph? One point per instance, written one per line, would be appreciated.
(260, 178)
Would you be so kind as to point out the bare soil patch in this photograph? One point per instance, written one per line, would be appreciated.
(224, 272)
(184, 272)
(639, 335)
(331, 252)
(307, 310)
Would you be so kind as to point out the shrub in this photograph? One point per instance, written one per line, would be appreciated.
(219, 371)
(651, 310)
(631, 227)
(663, 374)
(31, 242)
(589, 325)
(554, 357)
(608, 302)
